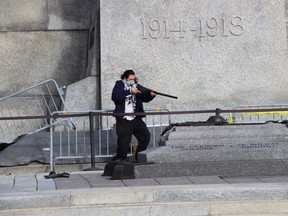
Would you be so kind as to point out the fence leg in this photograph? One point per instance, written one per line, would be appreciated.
(92, 146)
(52, 168)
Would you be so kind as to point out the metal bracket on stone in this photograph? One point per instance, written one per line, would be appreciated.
(217, 119)
(119, 170)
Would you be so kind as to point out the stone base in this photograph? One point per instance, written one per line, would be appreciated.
(220, 168)
(219, 150)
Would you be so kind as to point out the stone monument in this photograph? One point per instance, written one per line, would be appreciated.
(208, 53)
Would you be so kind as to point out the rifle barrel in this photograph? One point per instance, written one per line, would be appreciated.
(156, 92)
(166, 95)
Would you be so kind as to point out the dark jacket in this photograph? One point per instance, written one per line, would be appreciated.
(119, 95)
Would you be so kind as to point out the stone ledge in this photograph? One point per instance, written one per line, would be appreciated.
(214, 168)
(234, 208)
(218, 199)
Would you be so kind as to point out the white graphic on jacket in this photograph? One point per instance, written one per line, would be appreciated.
(130, 101)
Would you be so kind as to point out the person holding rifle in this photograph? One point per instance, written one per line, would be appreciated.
(128, 97)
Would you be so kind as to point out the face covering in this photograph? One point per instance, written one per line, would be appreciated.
(130, 84)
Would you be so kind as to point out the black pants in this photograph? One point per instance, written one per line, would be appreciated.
(125, 129)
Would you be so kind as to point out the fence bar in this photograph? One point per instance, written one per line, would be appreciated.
(92, 147)
(109, 113)
(100, 136)
(107, 137)
(52, 168)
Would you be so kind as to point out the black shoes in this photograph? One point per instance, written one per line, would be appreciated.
(57, 175)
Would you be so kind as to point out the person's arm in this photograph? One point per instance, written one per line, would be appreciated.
(119, 94)
(146, 94)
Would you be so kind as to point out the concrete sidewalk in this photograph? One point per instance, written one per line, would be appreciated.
(90, 193)
(94, 179)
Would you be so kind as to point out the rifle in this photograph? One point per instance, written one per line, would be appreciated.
(165, 95)
(156, 92)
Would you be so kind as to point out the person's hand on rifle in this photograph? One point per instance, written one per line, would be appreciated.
(153, 93)
(135, 90)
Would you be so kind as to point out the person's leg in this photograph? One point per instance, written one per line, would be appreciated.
(124, 130)
(134, 144)
(142, 134)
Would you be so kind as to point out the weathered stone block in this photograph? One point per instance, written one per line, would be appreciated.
(222, 143)
(29, 15)
(81, 96)
(28, 58)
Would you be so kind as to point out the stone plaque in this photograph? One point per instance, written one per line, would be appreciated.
(221, 143)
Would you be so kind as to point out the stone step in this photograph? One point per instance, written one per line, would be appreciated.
(217, 199)
(211, 168)
(185, 153)
(235, 131)
(223, 150)
(231, 126)
(227, 141)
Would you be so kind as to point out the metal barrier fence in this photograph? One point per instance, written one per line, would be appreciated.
(70, 131)
(258, 116)
(40, 99)
(74, 143)
(106, 137)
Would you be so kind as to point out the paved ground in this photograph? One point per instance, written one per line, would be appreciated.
(86, 190)
(94, 179)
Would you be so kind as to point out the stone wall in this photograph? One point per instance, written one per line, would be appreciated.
(42, 39)
(208, 53)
